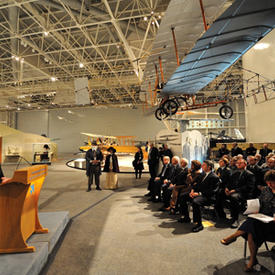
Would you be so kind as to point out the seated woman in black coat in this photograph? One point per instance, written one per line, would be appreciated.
(255, 231)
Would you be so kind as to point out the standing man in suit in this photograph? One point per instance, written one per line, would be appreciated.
(236, 150)
(203, 192)
(94, 158)
(251, 150)
(153, 163)
(264, 152)
(153, 160)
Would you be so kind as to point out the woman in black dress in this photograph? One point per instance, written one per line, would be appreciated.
(255, 231)
(138, 162)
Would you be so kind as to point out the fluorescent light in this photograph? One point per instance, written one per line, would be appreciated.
(261, 46)
(81, 65)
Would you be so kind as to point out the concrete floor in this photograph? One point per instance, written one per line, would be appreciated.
(120, 232)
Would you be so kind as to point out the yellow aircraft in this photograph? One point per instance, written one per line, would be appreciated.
(122, 144)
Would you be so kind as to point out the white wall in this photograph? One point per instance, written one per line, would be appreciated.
(110, 121)
(260, 120)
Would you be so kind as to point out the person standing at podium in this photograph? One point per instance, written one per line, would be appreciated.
(3, 179)
(93, 157)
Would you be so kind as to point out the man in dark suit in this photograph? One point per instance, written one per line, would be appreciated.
(223, 150)
(241, 188)
(254, 168)
(153, 163)
(165, 174)
(251, 150)
(236, 150)
(94, 158)
(203, 192)
(153, 160)
(224, 173)
(264, 152)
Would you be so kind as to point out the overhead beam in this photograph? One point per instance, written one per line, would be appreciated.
(128, 50)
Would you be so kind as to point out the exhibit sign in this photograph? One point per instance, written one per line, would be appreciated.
(205, 124)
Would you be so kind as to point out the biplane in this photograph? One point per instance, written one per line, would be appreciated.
(207, 50)
(122, 144)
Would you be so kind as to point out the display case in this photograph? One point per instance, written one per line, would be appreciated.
(42, 153)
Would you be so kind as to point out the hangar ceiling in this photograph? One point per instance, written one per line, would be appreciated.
(46, 44)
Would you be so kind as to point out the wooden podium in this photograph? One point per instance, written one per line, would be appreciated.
(19, 209)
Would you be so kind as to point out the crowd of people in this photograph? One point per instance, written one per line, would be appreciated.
(241, 175)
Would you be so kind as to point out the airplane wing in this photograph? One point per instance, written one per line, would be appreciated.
(238, 29)
(98, 136)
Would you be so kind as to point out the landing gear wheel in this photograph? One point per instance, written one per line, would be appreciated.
(226, 112)
(170, 107)
(159, 114)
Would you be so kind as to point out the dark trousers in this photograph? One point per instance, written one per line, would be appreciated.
(156, 191)
(235, 202)
(166, 195)
(219, 206)
(183, 200)
(153, 169)
(138, 172)
(94, 173)
(198, 202)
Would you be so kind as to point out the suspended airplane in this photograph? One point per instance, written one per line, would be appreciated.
(233, 33)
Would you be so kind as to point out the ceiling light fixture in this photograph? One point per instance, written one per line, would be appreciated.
(145, 18)
(46, 33)
(261, 46)
(17, 58)
(53, 79)
(81, 65)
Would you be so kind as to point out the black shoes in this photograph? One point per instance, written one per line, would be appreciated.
(197, 228)
(148, 194)
(98, 188)
(184, 220)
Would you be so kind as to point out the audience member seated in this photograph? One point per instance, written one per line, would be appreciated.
(236, 150)
(179, 185)
(251, 150)
(223, 172)
(255, 231)
(168, 184)
(165, 173)
(258, 159)
(223, 151)
(232, 165)
(257, 171)
(201, 194)
(240, 188)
